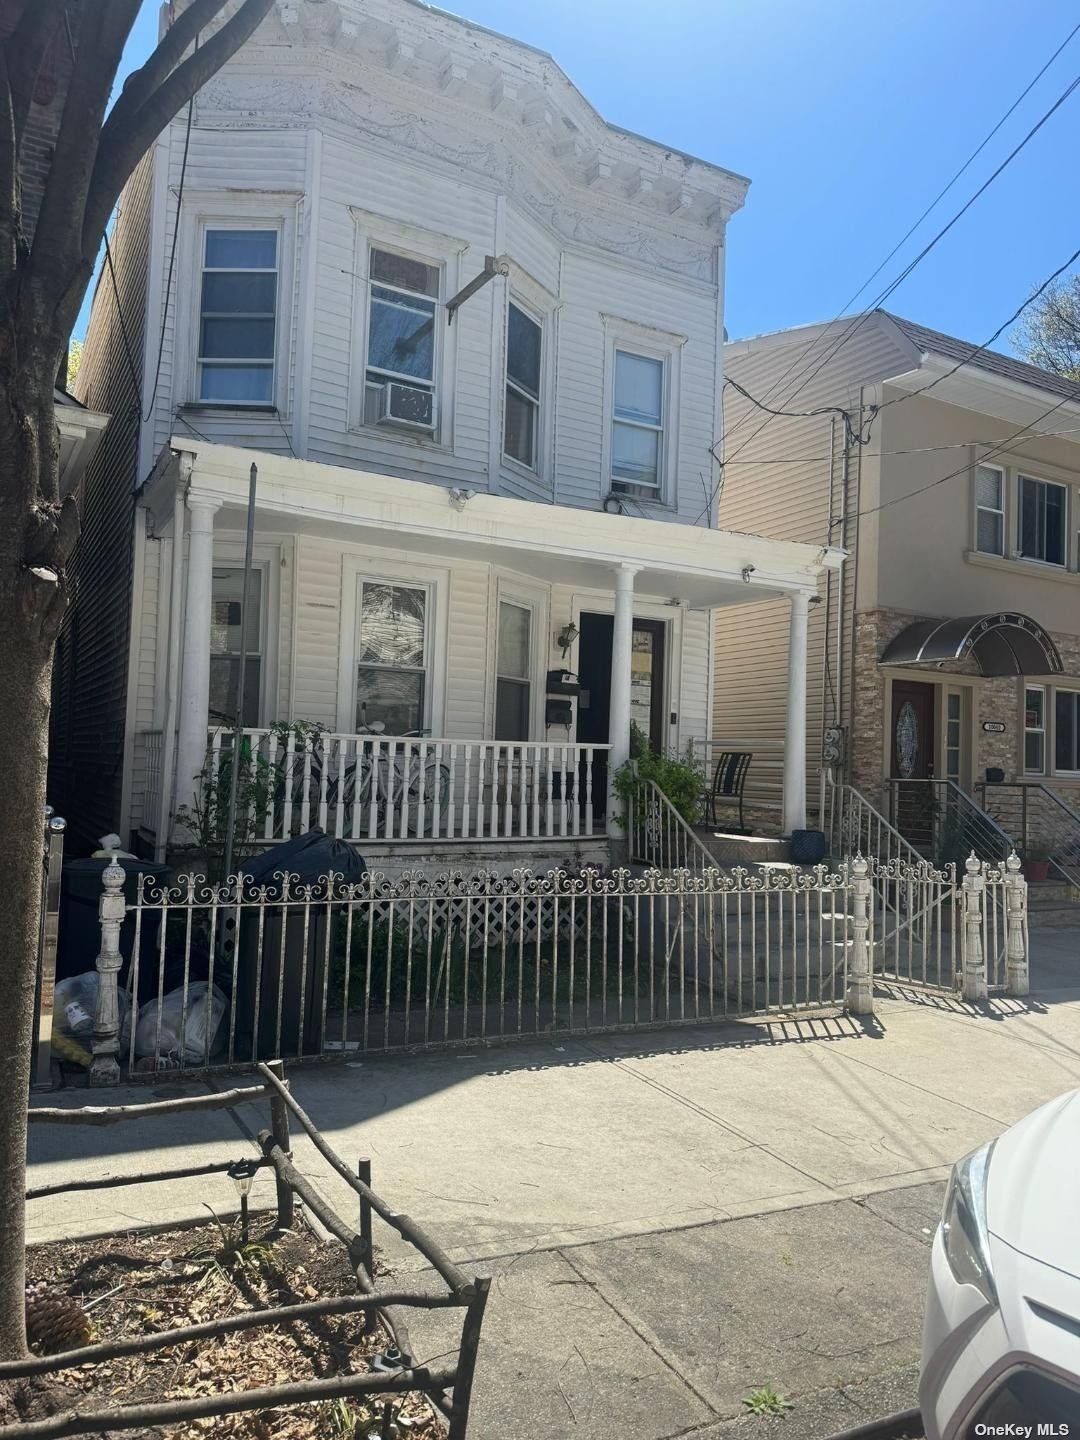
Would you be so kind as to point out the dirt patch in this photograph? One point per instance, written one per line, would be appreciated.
(146, 1283)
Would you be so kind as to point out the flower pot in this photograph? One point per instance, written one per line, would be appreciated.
(1036, 871)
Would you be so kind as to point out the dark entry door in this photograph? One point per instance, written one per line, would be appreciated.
(646, 685)
(912, 764)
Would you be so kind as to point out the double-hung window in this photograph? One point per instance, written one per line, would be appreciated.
(402, 341)
(990, 510)
(238, 317)
(513, 685)
(1067, 730)
(637, 425)
(1035, 730)
(1042, 520)
(524, 337)
(226, 617)
(392, 656)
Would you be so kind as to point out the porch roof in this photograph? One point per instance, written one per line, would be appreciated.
(689, 564)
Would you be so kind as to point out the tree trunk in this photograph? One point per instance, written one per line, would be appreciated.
(30, 609)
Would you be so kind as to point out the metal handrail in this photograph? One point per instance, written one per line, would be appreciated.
(979, 829)
(1060, 834)
(672, 830)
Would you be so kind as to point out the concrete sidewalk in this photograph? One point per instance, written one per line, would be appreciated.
(672, 1218)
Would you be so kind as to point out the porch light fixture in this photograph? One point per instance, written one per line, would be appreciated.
(459, 498)
(242, 1174)
(566, 637)
(747, 571)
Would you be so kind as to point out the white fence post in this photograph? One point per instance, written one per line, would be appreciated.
(1017, 972)
(105, 1068)
(972, 955)
(860, 990)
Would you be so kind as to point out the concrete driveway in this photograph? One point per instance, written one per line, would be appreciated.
(672, 1219)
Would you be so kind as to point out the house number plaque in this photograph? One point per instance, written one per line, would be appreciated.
(994, 727)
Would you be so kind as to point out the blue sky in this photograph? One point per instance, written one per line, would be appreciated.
(848, 118)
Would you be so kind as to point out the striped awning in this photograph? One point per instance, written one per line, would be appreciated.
(1005, 643)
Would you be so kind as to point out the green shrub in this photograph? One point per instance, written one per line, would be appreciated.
(680, 777)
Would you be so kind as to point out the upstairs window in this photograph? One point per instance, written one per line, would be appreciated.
(402, 352)
(990, 510)
(513, 689)
(226, 612)
(238, 317)
(521, 420)
(637, 430)
(1042, 521)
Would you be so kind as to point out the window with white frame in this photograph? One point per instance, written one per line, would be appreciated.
(227, 623)
(392, 656)
(637, 425)
(521, 419)
(1067, 730)
(954, 735)
(402, 350)
(513, 673)
(1042, 507)
(1034, 730)
(990, 510)
(238, 316)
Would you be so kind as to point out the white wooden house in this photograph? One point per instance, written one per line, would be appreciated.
(471, 335)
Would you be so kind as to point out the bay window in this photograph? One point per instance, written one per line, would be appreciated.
(521, 419)
(637, 425)
(238, 316)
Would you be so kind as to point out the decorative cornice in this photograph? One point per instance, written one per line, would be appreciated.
(417, 76)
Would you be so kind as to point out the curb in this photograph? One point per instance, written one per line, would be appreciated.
(898, 1426)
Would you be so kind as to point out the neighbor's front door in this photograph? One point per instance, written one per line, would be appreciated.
(913, 758)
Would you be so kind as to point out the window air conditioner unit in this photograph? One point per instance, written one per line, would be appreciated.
(409, 406)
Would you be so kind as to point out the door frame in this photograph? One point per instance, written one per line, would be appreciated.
(942, 681)
(602, 602)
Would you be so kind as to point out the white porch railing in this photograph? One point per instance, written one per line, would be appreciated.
(387, 788)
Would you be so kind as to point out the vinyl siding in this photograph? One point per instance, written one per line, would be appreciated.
(785, 479)
(87, 748)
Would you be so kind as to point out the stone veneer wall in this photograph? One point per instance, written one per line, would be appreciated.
(994, 699)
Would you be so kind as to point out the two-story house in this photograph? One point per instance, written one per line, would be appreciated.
(471, 337)
(946, 656)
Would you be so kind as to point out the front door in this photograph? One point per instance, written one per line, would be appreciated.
(646, 684)
(912, 762)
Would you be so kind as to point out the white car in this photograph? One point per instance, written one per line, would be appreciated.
(1001, 1342)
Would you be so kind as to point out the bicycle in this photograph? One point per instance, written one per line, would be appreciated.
(373, 779)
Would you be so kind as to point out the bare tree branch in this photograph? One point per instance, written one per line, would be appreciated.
(26, 50)
(142, 83)
(117, 158)
(57, 249)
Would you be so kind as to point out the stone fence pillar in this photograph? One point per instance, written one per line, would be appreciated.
(860, 990)
(1017, 966)
(105, 1067)
(972, 955)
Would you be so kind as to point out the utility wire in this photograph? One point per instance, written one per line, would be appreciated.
(860, 319)
(1000, 448)
(932, 206)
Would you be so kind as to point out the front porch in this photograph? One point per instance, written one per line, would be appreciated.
(425, 668)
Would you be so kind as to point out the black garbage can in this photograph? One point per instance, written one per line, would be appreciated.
(79, 935)
(293, 949)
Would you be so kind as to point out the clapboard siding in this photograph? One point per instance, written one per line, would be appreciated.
(86, 754)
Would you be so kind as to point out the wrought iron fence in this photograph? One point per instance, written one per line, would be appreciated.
(233, 973)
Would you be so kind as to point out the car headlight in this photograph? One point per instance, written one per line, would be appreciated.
(963, 1223)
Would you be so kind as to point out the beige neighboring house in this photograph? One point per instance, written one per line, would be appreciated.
(946, 653)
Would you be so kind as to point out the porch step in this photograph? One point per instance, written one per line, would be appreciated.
(729, 849)
(1053, 903)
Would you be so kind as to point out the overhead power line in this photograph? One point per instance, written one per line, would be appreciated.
(804, 357)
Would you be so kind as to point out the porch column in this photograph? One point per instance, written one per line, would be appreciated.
(795, 731)
(622, 643)
(195, 672)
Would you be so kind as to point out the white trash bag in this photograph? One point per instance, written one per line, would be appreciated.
(204, 1015)
(74, 1008)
